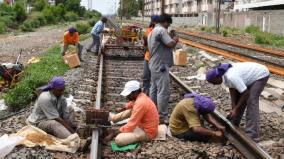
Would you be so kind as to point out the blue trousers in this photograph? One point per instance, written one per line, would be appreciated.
(96, 42)
(146, 78)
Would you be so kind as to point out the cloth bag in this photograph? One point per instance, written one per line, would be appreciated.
(34, 136)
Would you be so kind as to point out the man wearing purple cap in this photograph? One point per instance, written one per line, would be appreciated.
(185, 122)
(246, 81)
(71, 37)
(50, 110)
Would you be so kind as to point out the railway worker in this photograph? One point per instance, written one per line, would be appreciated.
(96, 31)
(146, 70)
(185, 122)
(50, 112)
(246, 81)
(144, 118)
(161, 59)
(71, 37)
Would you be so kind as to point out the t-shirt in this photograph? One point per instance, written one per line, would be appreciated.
(160, 54)
(243, 74)
(48, 107)
(184, 117)
(98, 28)
(144, 114)
(147, 54)
(68, 39)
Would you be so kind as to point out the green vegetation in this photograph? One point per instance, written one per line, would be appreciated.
(35, 75)
(128, 8)
(264, 37)
(208, 29)
(258, 36)
(14, 17)
(83, 28)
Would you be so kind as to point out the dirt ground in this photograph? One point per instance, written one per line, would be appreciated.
(33, 43)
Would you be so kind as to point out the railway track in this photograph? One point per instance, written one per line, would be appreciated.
(273, 59)
(100, 83)
(115, 71)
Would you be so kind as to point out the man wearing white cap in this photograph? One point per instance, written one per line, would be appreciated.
(144, 118)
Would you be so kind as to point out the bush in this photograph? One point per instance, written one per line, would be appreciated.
(27, 26)
(6, 10)
(8, 20)
(93, 21)
(71, 16)
(251, 29)
(39, 5)
(2, 27)
(49, 15)
(20, 12)
(225, 33)
(82, 28)
(41, 19)
(59, 11)
(35, 75)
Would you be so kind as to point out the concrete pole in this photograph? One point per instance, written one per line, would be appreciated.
(162, 6)
(218, 16)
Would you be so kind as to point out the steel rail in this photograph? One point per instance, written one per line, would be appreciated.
(235, 135)
(269, 51)
(95, 152)
(274, 68)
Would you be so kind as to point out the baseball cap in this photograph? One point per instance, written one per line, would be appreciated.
(129, 87)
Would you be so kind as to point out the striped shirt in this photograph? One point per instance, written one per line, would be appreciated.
(98, 28)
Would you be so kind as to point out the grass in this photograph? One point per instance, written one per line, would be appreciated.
(35, 75)
(264, 37)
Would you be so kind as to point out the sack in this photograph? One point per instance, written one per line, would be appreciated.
(8, 143)
(34, 136)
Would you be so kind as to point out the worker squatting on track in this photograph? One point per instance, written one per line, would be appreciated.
(161, 59)
(50, 112)
(71, 37)
(185, 119)
(246, 81)
(144, 118)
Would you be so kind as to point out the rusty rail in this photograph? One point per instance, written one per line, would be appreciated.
(95, 151)
(269, 51)
(235, 135)
(273, 68)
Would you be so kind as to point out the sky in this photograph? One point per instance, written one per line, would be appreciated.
(103, 6)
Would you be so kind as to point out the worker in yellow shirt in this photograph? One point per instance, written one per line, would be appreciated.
(185, 119)
(146, 70)
(71, 37)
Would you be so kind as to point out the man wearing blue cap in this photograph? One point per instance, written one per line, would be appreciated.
(246, 81)
(50, 110)
(146, 69)
(185, 122)
(71, 37)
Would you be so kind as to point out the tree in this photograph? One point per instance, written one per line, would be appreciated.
(128, 8)
(141, 6)
(39, 5)
(20, 11)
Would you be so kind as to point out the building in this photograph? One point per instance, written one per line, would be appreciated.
(244, 5)
(181, 8)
